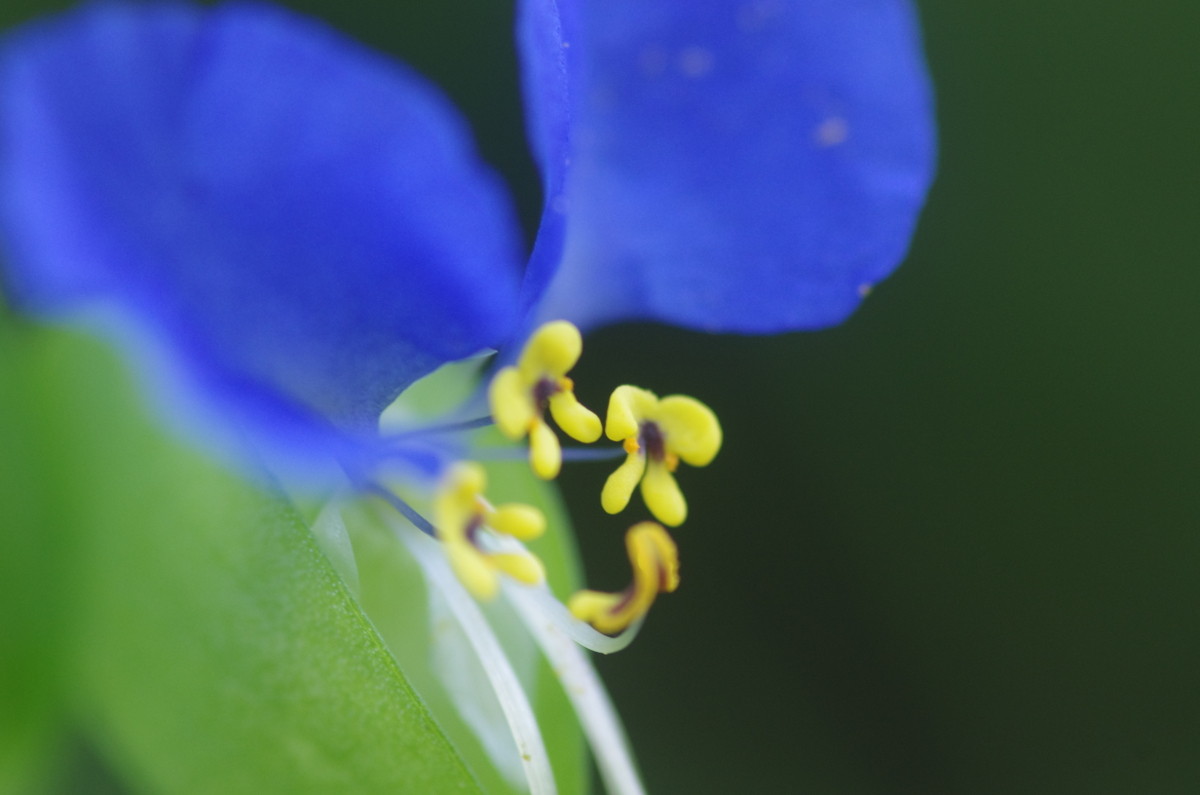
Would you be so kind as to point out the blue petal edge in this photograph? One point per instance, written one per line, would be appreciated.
(748, 166)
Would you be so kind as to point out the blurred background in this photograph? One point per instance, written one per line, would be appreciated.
(953, 545)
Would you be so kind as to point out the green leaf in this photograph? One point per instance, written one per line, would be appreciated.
(216, 647)
(217, 650)
(31, 590)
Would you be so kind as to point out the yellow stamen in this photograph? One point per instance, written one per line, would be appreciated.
(655, 563)
(473, 570)
(460, 513)
(552, 349)
(660, 433)
(545, 454)
(511, 408)
(621, 483)
(576, 421)
(523, 522)
(522, 568)
(627, 407)
(519, 394)
(692, 430)
(662, 495)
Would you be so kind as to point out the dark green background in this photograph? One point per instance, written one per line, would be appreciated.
(952, 545)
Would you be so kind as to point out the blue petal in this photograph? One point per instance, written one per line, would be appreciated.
(302, 224)
(747, 166)
(545, 65)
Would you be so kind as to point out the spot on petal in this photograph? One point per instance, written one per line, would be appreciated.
(754, 15)
(695, 61)
(831, 132)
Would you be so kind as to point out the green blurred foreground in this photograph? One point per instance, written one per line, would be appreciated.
(188, 626)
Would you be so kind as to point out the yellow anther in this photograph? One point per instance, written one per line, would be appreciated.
(627, 407)
(461, 514)
(523, 568)
(520, 394)
(655, 563)
(621, 483)
(473, 570)
(662, 495)
(523, 522)
(511, 407)
(545, 454)
(553, 349)
(576, 421)
(657, 435)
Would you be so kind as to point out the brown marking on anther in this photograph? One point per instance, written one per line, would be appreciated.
(653, 440)
(472, 530)
(543, 390)
(664, 578)
(626, 597)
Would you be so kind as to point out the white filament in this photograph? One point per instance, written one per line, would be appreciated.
(466, 684)
(560, 635)
(580, 631)
(541, 613)
(517, 711)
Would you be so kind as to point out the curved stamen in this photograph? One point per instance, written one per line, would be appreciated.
(655, 563)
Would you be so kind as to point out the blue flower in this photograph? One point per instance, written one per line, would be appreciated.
(286, 231)
(295, 229)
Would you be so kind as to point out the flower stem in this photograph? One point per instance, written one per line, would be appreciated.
(407, 511)
(448, 427)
